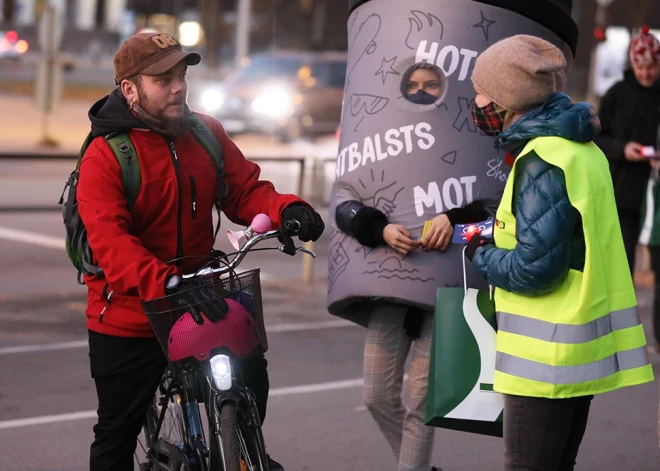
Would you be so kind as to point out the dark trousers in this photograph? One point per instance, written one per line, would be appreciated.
(543, 434)
(127, 372)
(630, 229)
(654, 251)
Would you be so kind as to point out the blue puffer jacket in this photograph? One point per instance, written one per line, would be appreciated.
(548, 227)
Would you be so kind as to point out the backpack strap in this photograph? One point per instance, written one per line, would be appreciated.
(126, 155)
(83, 149)
(212, 147)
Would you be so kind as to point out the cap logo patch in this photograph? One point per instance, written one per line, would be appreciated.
(164, 41)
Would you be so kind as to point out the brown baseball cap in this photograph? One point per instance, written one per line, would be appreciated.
(150, 54)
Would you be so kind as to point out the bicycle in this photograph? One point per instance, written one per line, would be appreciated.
(204, 329)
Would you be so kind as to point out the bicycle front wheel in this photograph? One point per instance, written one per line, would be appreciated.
(241, 444)
(227, 439)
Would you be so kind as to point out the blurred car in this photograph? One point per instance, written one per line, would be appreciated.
(11, 45)
(289, 94)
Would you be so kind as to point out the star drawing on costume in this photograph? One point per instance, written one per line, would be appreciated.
(386, 68)
(485, 25)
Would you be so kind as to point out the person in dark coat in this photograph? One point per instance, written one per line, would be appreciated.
(630, 115)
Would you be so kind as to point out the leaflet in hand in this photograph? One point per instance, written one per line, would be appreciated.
(460, 230)
(649, 152)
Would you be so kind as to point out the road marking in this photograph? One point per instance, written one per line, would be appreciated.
(33, 238)
(313, 388)
(47, 419)
(294, 327)
(43, 348)
(274, 329)
(91, 414)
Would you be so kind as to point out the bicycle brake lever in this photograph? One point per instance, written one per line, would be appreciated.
(288, 247)
(304, 250)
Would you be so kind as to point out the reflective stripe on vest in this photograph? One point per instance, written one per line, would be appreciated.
(567, 333)
(584, 337)
(557, 375)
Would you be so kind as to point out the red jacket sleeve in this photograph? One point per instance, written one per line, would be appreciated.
(248, 196)
(129, 268)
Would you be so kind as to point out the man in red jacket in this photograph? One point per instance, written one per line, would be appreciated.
(172, 217)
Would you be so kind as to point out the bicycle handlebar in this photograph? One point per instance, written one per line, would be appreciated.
(287, 247)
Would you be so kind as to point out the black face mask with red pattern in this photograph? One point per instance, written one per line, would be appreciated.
(489, 119)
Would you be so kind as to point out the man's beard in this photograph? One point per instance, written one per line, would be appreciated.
(152, 113)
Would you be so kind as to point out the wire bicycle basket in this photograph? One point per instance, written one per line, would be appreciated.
(210, 314)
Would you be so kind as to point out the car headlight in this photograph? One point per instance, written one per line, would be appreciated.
(221, 369)
(212, 100)
(274, 102)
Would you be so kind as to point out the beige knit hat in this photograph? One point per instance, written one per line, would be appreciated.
(520, 72)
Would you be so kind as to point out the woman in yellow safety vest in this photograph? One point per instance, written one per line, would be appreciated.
(567, 313)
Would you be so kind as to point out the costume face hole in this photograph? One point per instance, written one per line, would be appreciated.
(422, 83)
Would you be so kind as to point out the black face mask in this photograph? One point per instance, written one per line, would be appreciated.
(420, 97)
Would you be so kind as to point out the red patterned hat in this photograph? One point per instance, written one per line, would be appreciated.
(645, 48)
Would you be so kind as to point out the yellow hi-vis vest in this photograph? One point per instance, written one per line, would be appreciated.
(584, 337)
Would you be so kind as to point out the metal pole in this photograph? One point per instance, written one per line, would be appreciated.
(8, 8)
(314, 199)
(49, 60)
(243, 27)
(307, 261)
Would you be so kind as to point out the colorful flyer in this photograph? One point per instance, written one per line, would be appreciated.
(460, 230)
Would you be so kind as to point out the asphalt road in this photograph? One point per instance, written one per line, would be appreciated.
(316, 419)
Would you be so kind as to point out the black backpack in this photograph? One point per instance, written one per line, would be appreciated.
(77, 247)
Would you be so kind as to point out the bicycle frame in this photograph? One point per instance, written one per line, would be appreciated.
(193, 441)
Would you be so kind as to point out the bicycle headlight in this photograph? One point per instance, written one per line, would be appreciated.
(221, 369)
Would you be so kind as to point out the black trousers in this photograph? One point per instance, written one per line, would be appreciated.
(543, 434)
(127, 372)
(654, 251)
(630, 229)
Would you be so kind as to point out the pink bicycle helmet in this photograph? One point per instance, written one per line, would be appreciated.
(235, 331)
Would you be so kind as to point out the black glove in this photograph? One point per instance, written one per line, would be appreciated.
(475, 242)
(473, 212)
(311, 224)
(198, 296)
